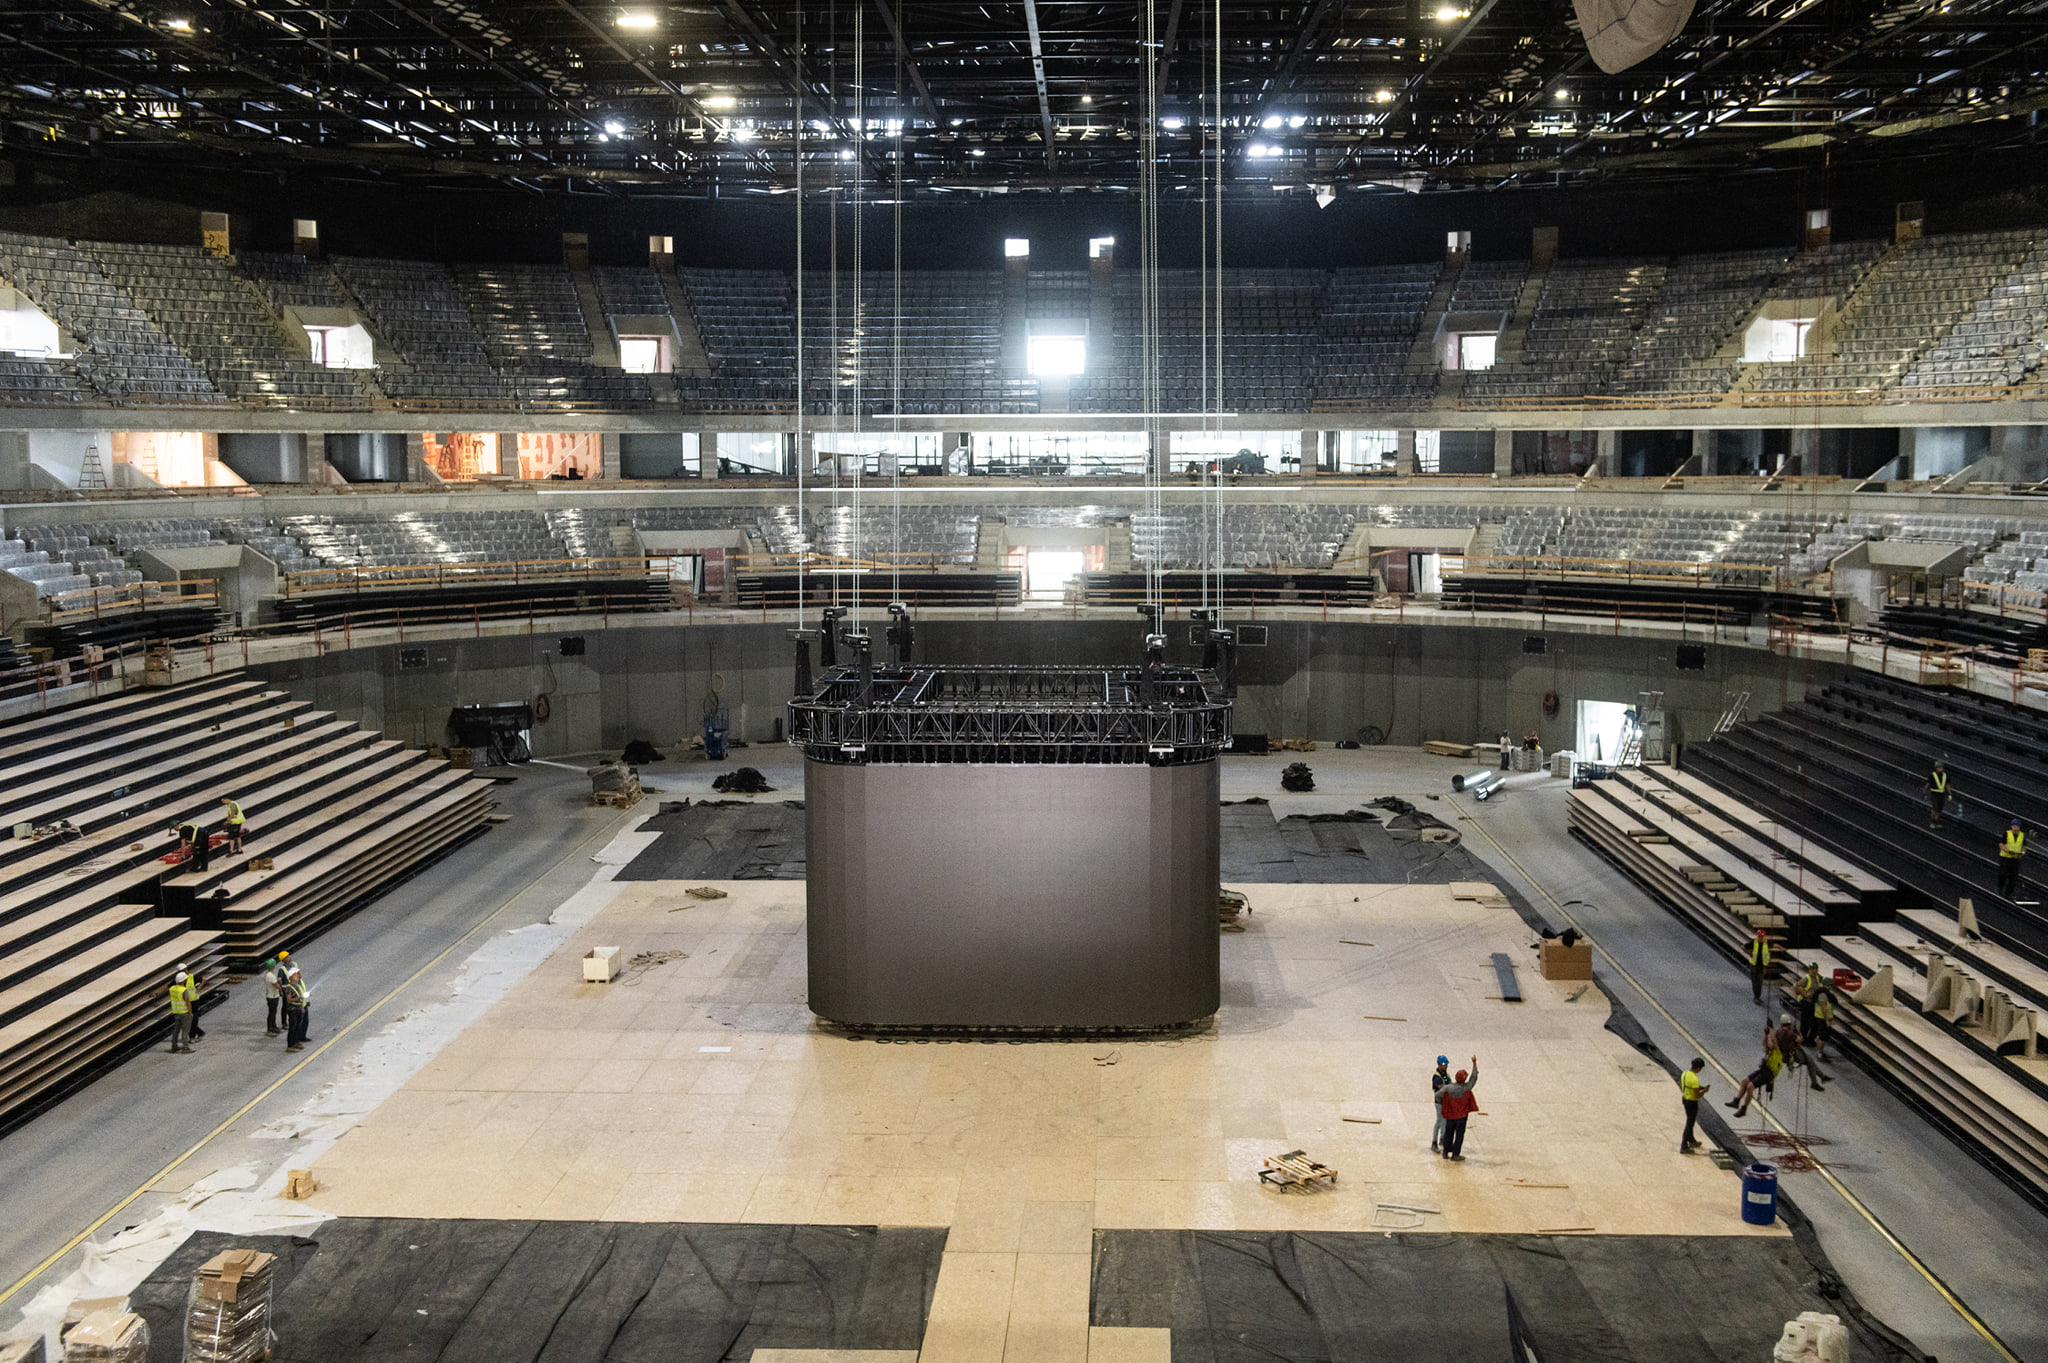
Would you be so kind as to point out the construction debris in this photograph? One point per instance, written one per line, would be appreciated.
(1297, 1171)
(704, 892)
(1229, 904)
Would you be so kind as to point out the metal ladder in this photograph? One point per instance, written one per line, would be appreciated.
(1631, 740)
(1732, 716)
(91, 476)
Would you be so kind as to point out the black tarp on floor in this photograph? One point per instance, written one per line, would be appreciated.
(562, 1291)
(1311, 1297)
(722, 840)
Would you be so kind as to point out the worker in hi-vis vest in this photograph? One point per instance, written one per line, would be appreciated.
(1937, 794)
(236, 818)
(2011, 850)
(181, 1015)
(1759, 964)
(1690, 1091)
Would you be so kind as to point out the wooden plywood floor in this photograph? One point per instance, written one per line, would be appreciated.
(700, 1090)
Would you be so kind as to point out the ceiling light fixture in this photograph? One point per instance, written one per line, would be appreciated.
(178, 25)
(640, 19)
(1446, 13)
(1383, 96)
(1297, 121)
(1270, 121)
(1173, 125)
(614, 127)
(721, 102)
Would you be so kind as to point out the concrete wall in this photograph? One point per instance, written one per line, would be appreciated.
(1318, 680)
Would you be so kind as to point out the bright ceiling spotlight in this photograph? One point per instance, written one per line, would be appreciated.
(976, 151)
(1297, 121)
(178, 25)
(638, 19)
(721, 102)
(1564, 94)
(742, 134)
(1446, 13)
(614, 127)
(1173, 125)
(1258, 151)
(1270, 121)
(1383, 96)
(1087, 99)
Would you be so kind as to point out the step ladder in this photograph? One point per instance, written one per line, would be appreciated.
(1733, 715)
(92, 476)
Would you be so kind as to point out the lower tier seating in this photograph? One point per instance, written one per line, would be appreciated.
(97, 912)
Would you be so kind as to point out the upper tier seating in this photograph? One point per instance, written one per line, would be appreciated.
(417, 310)
(631, 290)
(1585, 323)
(221, 322)
(1367, 332)
(749, 332)
(950, 338)
(121, 353)
(93, 924)
(425, 539)
(2001, 341)
(1704, 299)
(1900, 309)
(290, 280)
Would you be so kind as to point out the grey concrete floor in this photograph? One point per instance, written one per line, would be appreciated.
(73, 1163)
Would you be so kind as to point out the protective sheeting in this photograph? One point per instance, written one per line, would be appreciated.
(1323, 1297)
(510, 1291)
(1620, 33)
(722, 840)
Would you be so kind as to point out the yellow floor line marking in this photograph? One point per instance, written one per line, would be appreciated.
(1971, 1318)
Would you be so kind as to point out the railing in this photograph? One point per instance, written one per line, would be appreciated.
(1552, 567)
(88, 603)
(519, 572)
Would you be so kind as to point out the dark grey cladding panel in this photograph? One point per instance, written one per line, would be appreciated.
(1012, 896)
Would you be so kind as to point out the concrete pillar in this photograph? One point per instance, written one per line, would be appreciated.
(1404, 454)
(1603, 453)
(1805, 455)
(807, 451)
(1503, 453)
(608, 456)
(1310, 447)
(415, 457)
(1703, 448)
(707, 456)
(14, 459)
(508, 454)
(1162, 454)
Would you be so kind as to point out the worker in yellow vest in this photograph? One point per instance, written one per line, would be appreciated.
(1759, 964)
(1937, 794)
(1690, 1091)
(181, 1015)
(236, 820)
(1823, 1021)
(2011, 851)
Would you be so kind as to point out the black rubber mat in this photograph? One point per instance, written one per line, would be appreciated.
(552, 1291)
(1311, 1297)
(723, 840)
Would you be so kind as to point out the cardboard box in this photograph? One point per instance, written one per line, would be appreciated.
(23, 1351)
(299, 1184)
(600, 965)
(221, 1278)
(1561, 962)
(261, 864)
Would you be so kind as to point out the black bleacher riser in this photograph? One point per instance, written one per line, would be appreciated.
(1759, 771)
(2006, 785)
(1991, 635)
(459, 604)
(58, 728)
(1705, 605)
(778, 591)
(1314, 590)
(118, 628)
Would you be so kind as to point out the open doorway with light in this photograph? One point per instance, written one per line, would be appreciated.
(1600, 730)
(1048, 571)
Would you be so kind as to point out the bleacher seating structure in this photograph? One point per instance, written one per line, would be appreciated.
(93, 924)
(1957, 1035)
(1963, 311)
(224, 324)
(121, 353)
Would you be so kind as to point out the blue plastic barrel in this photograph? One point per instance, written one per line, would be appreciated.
(1760, 1194)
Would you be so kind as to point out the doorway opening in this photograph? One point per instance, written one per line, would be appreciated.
(1600, 730)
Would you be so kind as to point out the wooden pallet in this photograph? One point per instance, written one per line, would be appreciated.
(1296, 1170)
(617, 799)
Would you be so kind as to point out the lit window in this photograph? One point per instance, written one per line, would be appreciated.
(1788, 338)
(1016, 248)
(1052, 356)
(1475, 351)
(1098, 247)
(640, 354)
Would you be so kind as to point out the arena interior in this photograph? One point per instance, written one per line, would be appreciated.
(895, 670)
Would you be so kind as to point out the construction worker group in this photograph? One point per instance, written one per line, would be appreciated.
(286, 991)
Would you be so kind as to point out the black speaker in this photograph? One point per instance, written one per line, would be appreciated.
(1692, 657)
(1534, 643)
(572, 646)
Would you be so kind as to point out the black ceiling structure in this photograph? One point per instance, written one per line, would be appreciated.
(951, 99)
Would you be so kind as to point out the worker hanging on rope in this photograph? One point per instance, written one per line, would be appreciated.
(1759, 964)
(1937, 794)
(2012, 849)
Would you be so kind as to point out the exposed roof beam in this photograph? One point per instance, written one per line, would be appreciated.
(1038, 78)
(924, 92)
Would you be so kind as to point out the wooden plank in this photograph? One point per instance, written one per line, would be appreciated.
(1504, 976)
(109, 763)
(1766, 857)
(1785, 836)
(1781, 897)
(26, 737)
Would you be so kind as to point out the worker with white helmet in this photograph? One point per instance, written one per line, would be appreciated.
(181, 1015)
